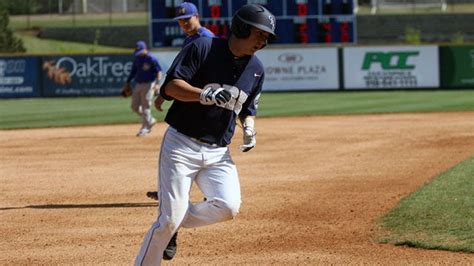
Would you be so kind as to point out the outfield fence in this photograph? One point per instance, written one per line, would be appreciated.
(286, 69)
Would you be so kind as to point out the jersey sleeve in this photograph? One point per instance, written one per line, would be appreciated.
(184, 66)
(204, 32)
(250, 106)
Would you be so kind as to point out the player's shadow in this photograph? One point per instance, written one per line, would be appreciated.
(84, 206)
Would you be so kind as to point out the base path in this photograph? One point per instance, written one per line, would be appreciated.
(312, 191)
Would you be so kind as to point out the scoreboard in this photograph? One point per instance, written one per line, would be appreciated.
(298, 21)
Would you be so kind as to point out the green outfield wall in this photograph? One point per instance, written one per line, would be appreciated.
(457, 66)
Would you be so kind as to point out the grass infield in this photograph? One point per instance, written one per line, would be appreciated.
(438, 216)
(59, 112)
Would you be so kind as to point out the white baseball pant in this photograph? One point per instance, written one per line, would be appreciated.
(182, 161)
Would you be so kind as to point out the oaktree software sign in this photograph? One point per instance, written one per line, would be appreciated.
(391, 67)
(85, 75)
(19, 77)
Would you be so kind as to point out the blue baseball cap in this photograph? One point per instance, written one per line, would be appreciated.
(139, 48)
(186, 10)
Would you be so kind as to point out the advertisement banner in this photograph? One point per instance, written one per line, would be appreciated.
(300, 69)
(19, 77)
(457, 66)
(85, 75)
(288, 69)
(392, 67)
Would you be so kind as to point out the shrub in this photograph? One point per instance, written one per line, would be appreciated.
(8, 42)
(24, 7)
(412, 35)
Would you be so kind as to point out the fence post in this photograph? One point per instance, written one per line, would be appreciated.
(74, 14)
(84, 6)
(124, 6)
(110, 12)
(28, 14)
(60, 7)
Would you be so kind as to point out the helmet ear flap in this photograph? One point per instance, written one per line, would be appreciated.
(239, 28)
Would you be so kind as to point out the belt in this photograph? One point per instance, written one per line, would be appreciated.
(205, 142)
(197, 140)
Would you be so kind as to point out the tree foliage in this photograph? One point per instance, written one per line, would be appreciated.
(25, 7)
(9, 43)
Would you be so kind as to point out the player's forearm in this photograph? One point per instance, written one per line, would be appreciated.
(248, 122)
(182, 91)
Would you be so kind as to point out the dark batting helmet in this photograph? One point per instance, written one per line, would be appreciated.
(253, 15)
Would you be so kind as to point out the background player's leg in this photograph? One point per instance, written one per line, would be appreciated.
(135, 105)
(147, 97)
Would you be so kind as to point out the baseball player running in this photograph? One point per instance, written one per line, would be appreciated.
(212, 82)
(187, 16)
(146, 71)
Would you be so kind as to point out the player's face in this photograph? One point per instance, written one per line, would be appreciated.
(256, 41)
(189, 25)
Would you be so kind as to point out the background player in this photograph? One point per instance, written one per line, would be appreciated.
(187, 16)
(208, 98)
(188, 19)
(146, 71)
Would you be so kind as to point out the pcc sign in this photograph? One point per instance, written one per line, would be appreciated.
(391, 67)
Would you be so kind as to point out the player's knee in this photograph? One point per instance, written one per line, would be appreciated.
(169, 223)
(227, 209)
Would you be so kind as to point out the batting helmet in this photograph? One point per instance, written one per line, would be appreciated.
(253, 15)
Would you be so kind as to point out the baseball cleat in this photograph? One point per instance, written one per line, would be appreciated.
(152, 195)
(143, 131)
(170, 250)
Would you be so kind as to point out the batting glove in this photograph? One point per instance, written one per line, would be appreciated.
(214, 94)
(250, 139)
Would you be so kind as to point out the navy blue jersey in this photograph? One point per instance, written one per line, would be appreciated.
(205, 61)
(145, 69)
(201, 32)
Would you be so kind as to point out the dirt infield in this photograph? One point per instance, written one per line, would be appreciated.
(312, 191)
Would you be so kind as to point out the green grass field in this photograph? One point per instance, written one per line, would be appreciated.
(36, 45)
(23, 25)
(50, 112)
(79, 20)
(438, 216)
(56, 112)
